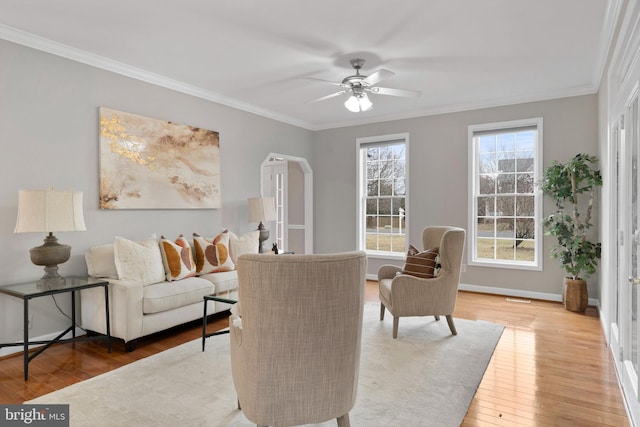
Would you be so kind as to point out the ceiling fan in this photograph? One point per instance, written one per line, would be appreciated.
(358, 85)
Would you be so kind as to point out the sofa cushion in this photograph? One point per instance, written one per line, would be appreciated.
(177, 258)
(139, 261)
(101, 261)
(384, 287)
(248, 243)
(212, 255)
(224, 281)
(168, 295)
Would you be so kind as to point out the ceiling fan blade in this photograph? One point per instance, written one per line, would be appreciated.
(333, 95)
(395, 92)
(378, 76)
(324, 81)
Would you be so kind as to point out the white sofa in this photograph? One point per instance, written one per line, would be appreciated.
(142, 300)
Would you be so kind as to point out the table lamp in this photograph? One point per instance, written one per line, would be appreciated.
(262, 209)
(49, 211)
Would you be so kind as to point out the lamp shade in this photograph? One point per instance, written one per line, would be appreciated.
(49, 211)
(262, 209)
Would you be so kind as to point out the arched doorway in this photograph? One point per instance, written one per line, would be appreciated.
(289, 180)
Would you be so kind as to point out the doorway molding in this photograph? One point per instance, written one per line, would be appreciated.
(308, 192)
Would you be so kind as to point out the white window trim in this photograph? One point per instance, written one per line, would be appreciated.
(360, 236)
(473, 209)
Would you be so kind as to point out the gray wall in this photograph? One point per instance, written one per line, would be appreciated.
(49, 137)
(438, 179)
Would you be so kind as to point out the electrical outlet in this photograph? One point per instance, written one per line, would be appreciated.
(30, 322)
(463, 268)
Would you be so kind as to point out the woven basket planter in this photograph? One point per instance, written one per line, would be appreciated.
(575, 295)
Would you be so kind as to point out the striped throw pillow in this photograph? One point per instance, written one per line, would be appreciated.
(422, 264)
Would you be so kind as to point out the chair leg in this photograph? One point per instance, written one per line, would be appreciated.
(381, 311)
(451, 325)
(343, 421)
(395, 326)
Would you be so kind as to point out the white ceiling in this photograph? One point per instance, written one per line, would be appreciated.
(256, 55)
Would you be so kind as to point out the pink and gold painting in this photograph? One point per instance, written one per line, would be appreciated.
(148, 163)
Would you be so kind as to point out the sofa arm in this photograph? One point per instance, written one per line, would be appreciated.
(125, 307)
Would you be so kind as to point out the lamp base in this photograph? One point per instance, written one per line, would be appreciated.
(50, 283)
(49, 255)
(264, 235)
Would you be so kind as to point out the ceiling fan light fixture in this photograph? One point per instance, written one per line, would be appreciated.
(358, 103)
(356, 85)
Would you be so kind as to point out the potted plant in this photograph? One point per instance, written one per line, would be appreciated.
(572, 186)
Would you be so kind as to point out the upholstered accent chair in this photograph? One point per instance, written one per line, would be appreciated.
(406, 295)
(295, 337)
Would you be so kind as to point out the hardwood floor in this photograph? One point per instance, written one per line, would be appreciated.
(550, 368)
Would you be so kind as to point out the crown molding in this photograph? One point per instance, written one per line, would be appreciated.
(613, 15)
(40, 43)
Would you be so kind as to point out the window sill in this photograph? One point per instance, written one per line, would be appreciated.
(512, 266)
(386, 255)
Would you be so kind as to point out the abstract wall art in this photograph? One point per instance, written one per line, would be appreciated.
(148, 163)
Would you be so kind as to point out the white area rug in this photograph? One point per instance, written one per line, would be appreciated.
(425, 377)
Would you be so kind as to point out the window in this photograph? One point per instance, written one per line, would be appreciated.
(382, 172)
(505, 206)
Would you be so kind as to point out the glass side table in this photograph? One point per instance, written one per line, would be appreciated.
(35, 289)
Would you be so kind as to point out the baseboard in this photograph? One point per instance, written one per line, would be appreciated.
(508, 292)
(518, 293)
(5, 351)
(604, 324)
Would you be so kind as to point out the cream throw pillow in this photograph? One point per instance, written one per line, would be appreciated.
(245, 244)
(101, 261)
(139, 261)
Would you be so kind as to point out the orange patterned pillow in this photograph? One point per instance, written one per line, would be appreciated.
(212, 255)
(177, 258)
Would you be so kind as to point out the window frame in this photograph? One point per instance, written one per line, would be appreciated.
(473, 193)
(361, 181)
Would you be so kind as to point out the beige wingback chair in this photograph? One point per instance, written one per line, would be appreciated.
(404, 295)
(295, 345)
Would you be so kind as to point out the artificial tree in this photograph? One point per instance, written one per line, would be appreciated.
(572, 186)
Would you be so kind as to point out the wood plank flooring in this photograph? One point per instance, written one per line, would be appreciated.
(550, 368)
